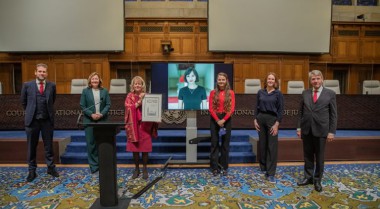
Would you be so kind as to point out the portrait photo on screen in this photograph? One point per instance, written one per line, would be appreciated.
(189, 85)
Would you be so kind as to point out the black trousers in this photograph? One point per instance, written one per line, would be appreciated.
(33, 131)
(268, 144)
(219, 153)
(314, 151)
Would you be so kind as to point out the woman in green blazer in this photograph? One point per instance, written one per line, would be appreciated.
(95, 103)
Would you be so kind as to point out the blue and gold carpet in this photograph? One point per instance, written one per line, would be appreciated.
(344, 186)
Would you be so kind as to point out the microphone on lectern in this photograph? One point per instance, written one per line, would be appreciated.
(81, 113)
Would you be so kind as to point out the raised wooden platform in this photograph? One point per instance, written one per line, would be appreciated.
(342, 148)
(15, 150)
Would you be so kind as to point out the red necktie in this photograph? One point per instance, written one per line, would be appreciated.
(42, 87)
(315, 96)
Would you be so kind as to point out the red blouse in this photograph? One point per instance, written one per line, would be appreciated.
(220, 108)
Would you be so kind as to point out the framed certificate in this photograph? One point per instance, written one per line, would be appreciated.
(152, 108)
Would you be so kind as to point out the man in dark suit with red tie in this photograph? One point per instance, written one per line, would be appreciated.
(37, 98)
(317, 122)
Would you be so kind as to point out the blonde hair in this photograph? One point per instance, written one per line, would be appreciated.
(92, 75)
(142, 81)
(227, 98)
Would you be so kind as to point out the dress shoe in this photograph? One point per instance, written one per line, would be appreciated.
(95, 171)
(136, 173)
(263, 171)
(305, 182)
(53, 172)
(225, 173)
(31, 176)
(95, 174)
(215, 172)
(318, 186)
(271, 179)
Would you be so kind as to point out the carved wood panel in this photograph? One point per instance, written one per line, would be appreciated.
(345, 50)
(242, 71)
(293, 70)
(129, 45)
(203, 45)
(6, 78)
(62, 69)
(266, 65)
(65, 72)
(29, 68)
(370, 50)
(149, 45)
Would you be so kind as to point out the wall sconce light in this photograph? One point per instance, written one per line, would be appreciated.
(361, 17)
(166, 46)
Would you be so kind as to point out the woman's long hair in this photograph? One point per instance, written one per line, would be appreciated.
(227, 95)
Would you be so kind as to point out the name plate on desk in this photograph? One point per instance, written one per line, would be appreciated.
(152, 108)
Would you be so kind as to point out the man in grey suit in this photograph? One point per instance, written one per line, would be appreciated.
(37, 98)
(317, 122)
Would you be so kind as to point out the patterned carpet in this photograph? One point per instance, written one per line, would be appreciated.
(344, 186)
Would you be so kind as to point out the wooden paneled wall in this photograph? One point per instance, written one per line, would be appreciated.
(6, 78)
(63, 68)
(188, 40)
(355, 45)
(258, 66)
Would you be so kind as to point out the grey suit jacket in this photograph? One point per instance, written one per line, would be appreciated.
(29, 100)
(87, 101)
(321, 117)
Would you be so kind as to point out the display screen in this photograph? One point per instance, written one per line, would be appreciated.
(187, 86)
(62, 25)
(269, 26)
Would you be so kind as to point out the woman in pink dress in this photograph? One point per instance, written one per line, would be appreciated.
(139, 134)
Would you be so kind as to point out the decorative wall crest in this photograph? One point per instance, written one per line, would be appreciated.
(174, 116)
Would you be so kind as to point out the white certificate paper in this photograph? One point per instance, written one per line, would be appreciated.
(152, 108)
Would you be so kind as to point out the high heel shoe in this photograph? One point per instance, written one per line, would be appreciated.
(136, 173)
(145, 173)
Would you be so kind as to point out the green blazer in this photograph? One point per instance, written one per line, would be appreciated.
(87, 104)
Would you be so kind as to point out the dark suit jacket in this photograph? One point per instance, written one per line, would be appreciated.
(87, 100)
(29, 100)
(321, 117)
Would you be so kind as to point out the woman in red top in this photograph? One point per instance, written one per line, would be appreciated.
(139, 134)
(221, 107)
